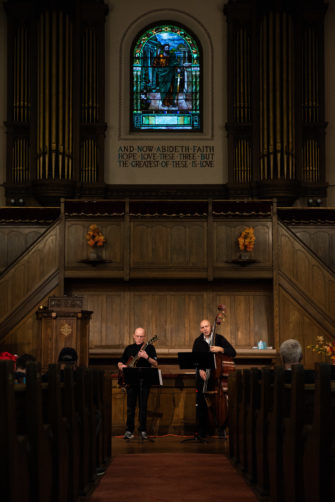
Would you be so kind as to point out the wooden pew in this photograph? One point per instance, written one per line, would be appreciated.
(283, 427)
(73, 421)
(242, 421)
(234, 400)
(275, 425)
(84, 430)
(102, 394)
(319, 454)
(98, 402)
(253, 406)
(14, 459)
(261, 430)
(41, 458)
(107, 417)
(280, 412)
(49, 439)
(300, 413)
(92, 425)
(60, 434)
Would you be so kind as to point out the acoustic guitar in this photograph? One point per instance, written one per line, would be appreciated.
(132, 362)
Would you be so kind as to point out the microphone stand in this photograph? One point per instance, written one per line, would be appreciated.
(196, 437)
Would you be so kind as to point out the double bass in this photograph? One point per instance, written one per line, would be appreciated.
(215, 388)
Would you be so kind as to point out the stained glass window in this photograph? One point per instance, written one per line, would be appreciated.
(166, 80)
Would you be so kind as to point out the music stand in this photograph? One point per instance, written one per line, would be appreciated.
(196, 360)
(142, 376)
(148, 376)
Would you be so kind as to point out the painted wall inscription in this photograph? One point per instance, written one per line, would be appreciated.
(166, 156)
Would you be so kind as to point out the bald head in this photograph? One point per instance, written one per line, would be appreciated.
(139, 336)
(205, 327)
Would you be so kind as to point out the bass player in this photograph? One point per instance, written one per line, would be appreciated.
(204, 343)
(146, 357)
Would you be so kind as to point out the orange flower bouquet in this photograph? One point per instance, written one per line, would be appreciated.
(323, 347)
(94, 236)
(246, 240)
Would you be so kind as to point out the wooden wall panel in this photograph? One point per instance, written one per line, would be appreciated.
(243, 316)
(294, 322)
(77, 248)
(168, 244)
(35, 267)
(173, 311)
(14, 241)
(24, 338)
(107, 326)
(308, 275)
(331, 292)
(160, 247)
(5, 300)
(226, 247)
(320, 240)
(301, 264)
(251, 319)
(286, 251)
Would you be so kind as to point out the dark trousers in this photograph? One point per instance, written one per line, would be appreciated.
(141, 393)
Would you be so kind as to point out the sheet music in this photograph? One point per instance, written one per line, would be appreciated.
(160, 377)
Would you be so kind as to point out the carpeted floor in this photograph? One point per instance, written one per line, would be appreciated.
(172, 477)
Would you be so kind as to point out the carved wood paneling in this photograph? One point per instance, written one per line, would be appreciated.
(309, 276)
(24, 337)
(295, 322)
(159, 247)
(174, 311)
(226, 246)
(34, 267)
(14, 241)
(320, 240)
(62, 329)
(77, 248)
(168, 244)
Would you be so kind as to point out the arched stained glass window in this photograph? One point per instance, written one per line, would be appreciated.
(166, 80)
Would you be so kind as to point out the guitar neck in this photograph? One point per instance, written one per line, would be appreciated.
(134, 360)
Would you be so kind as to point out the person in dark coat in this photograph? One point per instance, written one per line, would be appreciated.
(203, 343)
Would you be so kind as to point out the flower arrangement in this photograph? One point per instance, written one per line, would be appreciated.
(94, 236)
(246, 240)
(323, 347)
(7, 356)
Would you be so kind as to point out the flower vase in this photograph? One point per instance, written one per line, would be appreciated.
(245, 255)
(95, 254)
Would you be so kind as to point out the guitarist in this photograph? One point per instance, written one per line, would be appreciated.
(147, 358)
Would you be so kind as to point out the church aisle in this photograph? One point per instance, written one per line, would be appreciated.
(169, 469)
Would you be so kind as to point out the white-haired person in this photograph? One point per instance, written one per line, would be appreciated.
(290, 353)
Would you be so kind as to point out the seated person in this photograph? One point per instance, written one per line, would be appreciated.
(21, 367)
(68, 356)
(290, 353)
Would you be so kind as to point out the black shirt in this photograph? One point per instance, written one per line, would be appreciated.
(132, 351)
(200, 345)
